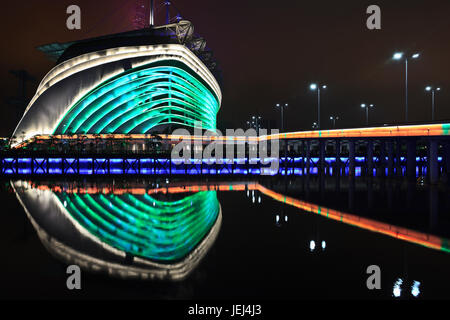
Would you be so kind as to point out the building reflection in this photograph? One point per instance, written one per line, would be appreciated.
(157, 234)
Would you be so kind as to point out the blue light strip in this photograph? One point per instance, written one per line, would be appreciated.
(147, 166)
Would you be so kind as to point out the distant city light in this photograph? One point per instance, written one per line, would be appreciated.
(416, 55)
(324, 244)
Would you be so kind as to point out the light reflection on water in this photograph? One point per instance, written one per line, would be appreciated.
(164, 230)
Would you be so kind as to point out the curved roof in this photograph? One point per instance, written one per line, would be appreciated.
(157, 83)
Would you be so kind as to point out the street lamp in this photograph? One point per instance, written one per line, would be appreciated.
(281, 106)
(258, 124)
(314, 87)
(367, 106)
(255, 123)
(400, 56)
(432, 90)
(334, 120)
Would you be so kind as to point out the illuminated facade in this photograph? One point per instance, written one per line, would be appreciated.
(123, 89)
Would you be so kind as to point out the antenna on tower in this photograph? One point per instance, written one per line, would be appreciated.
(152, 13)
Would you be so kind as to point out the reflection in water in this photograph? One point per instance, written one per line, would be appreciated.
(144, 226)
(401, 233)
(124, 234)
(134, 230)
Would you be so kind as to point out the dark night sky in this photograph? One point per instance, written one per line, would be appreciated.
(269, 52)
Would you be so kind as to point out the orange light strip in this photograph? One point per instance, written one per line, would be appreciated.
(141, 191)
(393, 131)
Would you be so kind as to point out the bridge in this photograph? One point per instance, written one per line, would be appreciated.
(390, 147)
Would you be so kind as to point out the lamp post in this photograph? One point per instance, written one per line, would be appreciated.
(316, 87)
(334, 118)
(258, 124)
(367, 106)
(255, 123)
(400, 56)
(281, 106)
(433, 92)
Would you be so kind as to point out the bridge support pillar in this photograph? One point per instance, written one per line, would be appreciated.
(433, 166)
(411, 158)
(351, 158)
(447, 160)
(390, 155)
(398, 156)
(369, 158)
(308, 156)
(302, 155)
(382, 161)
(286, 157)
(321, 157)
(338, 157)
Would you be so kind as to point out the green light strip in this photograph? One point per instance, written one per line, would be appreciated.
(143, 226)
(140, 99)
